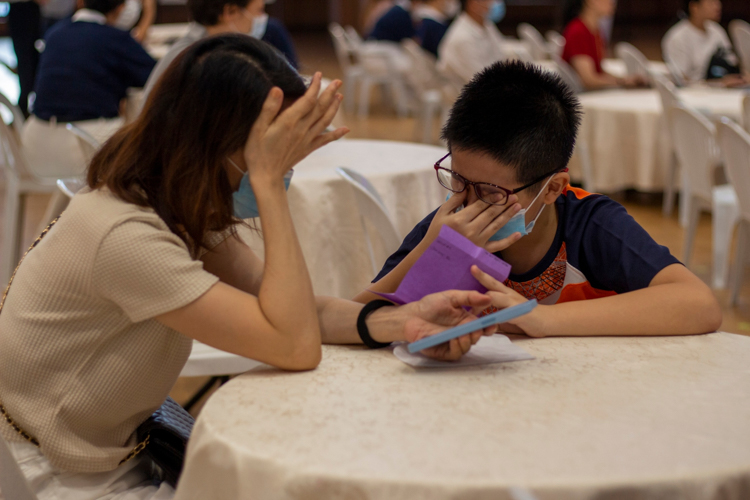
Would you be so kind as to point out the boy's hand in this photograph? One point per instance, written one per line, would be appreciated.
(531, 324)
(478, 222)
(437, 312)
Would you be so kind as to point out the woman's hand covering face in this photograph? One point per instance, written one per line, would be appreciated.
(279, 140)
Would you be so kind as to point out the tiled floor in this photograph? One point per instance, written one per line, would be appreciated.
(316, 53)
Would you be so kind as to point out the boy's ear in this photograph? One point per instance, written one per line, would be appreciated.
(556, 186)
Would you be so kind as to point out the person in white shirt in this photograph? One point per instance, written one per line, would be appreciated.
(473, 41)
(691, 43)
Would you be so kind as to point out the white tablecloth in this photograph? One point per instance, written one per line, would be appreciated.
(627, 136)
(325, 214)
(593, 418)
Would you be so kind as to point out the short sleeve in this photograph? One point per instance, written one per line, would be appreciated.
(410, 243)
(617, 253)
(147, 271)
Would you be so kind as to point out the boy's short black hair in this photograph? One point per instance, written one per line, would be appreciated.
(103, 6)
(520, 115)
(207, 12)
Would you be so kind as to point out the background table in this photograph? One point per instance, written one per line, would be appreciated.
(325, 213)
(627, 136)
(590, 418)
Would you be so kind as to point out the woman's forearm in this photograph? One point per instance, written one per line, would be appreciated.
(338, 322)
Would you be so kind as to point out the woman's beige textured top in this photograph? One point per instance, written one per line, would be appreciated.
(82, 361)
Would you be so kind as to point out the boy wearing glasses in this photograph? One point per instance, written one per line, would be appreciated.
(510, 135)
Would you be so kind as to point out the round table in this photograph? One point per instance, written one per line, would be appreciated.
(589, 418)
(627, 137)
(325, 213)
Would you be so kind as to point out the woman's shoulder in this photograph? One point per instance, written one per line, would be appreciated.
(99, 210)
(576, 28)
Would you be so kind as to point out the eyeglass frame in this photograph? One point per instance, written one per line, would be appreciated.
(467, 182)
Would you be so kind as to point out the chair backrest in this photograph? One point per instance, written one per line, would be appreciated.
(746, 112)
(735, 147)
(13, 484)
(675, 72)
(353, 35)
(88, 144)
(70, 186)
(635, 62)
(344, 52)
(534, 41)
(556, 43)
(372, 209)
(12, 160)
(424, 74)
(15, 118)
(696, 148)
(568, 75)
(740, 33)
(669, 99)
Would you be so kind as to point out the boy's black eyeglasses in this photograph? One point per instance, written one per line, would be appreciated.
(488, 193)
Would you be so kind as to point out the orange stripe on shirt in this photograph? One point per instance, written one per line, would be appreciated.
(578, 192)
(582, 291)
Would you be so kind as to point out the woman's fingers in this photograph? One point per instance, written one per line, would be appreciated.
(324, 121)
(326, 100)
(268, 113)
(326, 138)
(305, 104)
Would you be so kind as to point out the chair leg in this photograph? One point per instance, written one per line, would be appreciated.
(669, 192)
(587, 167)
(692, 225)
(740, 259)
(685, 200)
(350, 87)
(723, 221)
(204, 390)
(12, 228)
(365, 88)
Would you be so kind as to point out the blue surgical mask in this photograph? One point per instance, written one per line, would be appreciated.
(245, 205)
(260, 24)
(517, 223)
(497, 11)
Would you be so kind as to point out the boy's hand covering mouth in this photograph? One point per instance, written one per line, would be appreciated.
(531, 324)
(477, 221)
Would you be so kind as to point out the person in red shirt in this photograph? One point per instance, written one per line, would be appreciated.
(584, 48)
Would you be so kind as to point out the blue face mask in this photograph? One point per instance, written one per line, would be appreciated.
(517, 223)
(245, 205)
(497, 11)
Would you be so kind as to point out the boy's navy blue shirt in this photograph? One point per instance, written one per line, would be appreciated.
(598, 250)
(85, 70)
(431, 33)
(394, 26)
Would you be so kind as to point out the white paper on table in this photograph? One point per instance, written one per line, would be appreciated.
(494, 349)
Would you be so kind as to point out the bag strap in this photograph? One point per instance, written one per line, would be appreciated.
(3, 412)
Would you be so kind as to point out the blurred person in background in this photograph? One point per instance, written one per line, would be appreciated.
(433, 18)
(396, 24)
(84, 73)
(214, 17)
(584, 47)
(24, 25)
(699, 48)
(372, 12)
(473, 40)
(142, 12)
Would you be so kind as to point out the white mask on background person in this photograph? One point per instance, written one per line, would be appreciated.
(129, 15)
(451, 8)
(260, 24)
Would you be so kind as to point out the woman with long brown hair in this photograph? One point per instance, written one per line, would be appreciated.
(100, 316)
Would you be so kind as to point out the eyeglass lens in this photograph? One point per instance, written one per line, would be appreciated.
(485, 192)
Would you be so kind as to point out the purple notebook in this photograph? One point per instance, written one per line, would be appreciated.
(446, 265)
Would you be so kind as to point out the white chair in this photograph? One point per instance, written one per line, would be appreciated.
(740, 33)
(746, 112)
(349, 66)
(697, 150)
(428, 84)
(568, 75)
(13, 484)
(372, 209)
(89, 145)
(675, 72)
(735, 146)
(556, 43)
(19, 183)
(669, 98)
(635, 62)
(534, 41)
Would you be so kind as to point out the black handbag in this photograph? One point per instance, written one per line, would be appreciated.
(723, 62)
(165, 435)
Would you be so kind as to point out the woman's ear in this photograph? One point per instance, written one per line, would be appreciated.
(556, 186)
